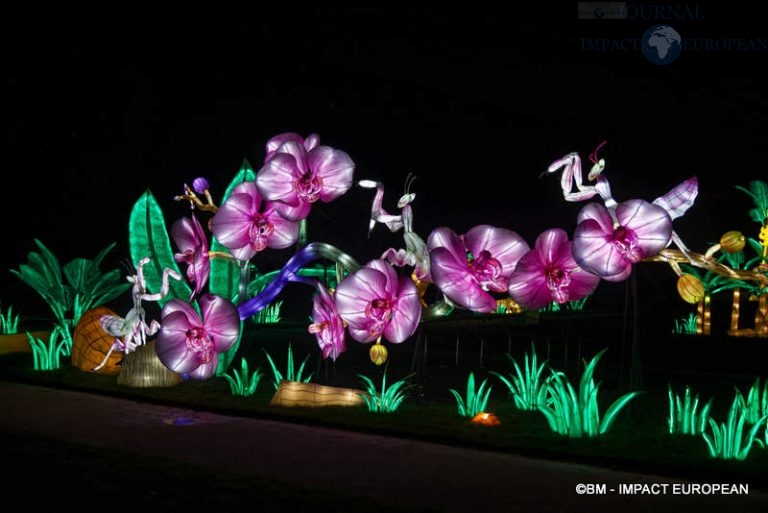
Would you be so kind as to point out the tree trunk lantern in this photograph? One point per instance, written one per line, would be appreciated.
(735, 306)
(705, 314)
(761, 316)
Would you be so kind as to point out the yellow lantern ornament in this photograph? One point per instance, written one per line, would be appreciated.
(732, 241)
(378, 353)
(690, 288)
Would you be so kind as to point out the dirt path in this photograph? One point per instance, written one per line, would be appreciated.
(439, 477)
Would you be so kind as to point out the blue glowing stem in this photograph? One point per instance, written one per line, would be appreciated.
(290, 273)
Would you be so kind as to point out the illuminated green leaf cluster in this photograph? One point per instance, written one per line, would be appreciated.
(269, 315)
(9, 322)
(72, 289)
(243, 383)
(290, 373)
(387, 400)
(686, 326)
(684, 416)
(728, 440)
(576, 414)
(476, 399)
(47, 355)
(528, 387)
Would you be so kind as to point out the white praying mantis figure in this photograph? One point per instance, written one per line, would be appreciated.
(415, 252)
(572, 173)
(675, 202)
(131, 332)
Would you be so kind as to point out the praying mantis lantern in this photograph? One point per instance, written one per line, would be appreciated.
(131, 331)
(612, 237)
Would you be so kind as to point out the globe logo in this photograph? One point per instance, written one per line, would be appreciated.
(599, 13)
(661, 44)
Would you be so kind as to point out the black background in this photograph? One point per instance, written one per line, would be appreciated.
(102, 106)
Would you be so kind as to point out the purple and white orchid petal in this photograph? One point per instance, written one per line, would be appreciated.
(449, 273)
(406, 313)
(232, 223)
(505, 245)
(466, 269)
(335, 168)
(185, 234)
(444, 237)
(221, 321)
(549, 273)
(375, 303)
(275, 179)
(244, 230)
(293, 213)
(277, 141)
(609, 249)
(311, 142)
(189, 344)
(285, 232)
(651, 223)
(206, 370)
(190, 238)
(201, 271)
(327, 325)
(171, 344)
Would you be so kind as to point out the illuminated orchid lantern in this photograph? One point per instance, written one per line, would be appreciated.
(189, 343)
(612, 237)
(550, 273)
(298, 172)
(469, 268)
(375, 302)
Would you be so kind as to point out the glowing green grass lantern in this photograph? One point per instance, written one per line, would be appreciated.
(527, 387)
(728, 440)
(385, 400)
(476, 399)
(684, 415)
(756, 402)
(47, 356)
(291, 374)
(575, 414)
(243, 383)
(686, 325)
(9, 322)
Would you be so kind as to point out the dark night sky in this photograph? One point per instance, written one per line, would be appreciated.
(476, 104)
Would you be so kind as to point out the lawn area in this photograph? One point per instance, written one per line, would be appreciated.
(638, 440)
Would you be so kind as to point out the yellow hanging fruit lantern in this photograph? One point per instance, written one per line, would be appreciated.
(732, 241)
(378, 353)
(690, 288)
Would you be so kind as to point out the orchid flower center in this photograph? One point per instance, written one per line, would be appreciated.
(323, 330)
(625, 241)
(188, 257)
(379, 313)
(558, 280)
(200, 343)
(259, 232)
(308, 187)
(486, 269)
